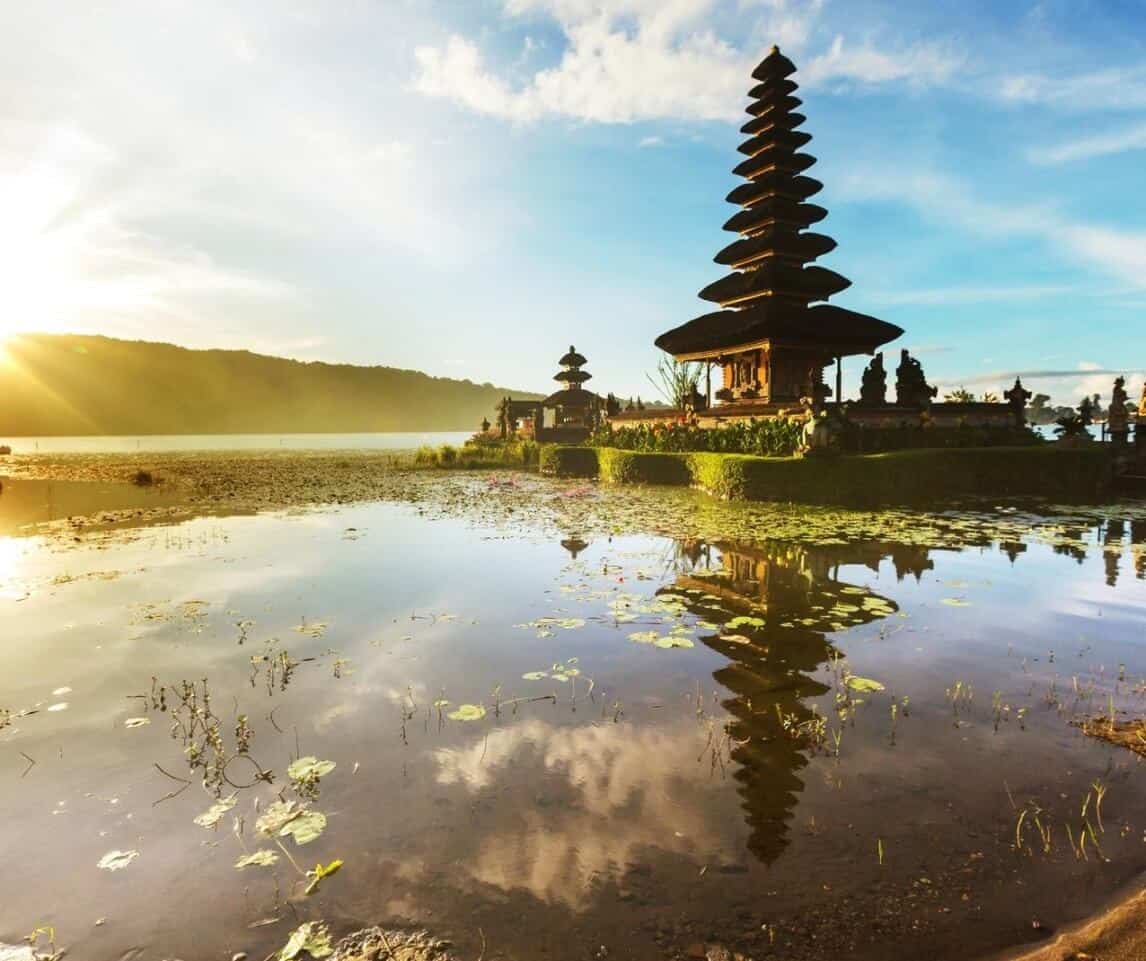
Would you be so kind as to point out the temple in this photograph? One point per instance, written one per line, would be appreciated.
(774, 334)
(566, 416)
(572, 412)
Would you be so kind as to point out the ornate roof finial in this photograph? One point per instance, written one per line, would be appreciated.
(775, 49)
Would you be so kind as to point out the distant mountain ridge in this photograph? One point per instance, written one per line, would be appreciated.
(66, 384)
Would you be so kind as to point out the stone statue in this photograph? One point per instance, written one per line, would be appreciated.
(823, 432)
(1117, 420)
(1017, 397)
(911, 387)
(485, 425)
(503, 417)
(873, 390)
(1142, 403)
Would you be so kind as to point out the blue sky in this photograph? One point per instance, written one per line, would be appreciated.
(469, 187)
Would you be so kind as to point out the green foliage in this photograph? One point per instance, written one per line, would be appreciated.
(767, 437)
(959, 396)
(312, 938)
(476, 455)
(634, 467)
(676, 382)
(564, 461)
(897, 477)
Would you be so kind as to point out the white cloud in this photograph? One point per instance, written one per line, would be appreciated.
(1115, 88)
(922, 65)
(631, 60)
(1116, 252)
(651, 142)
(1120, 141)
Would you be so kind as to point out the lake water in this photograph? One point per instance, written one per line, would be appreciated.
(223, 442)
(674, 739)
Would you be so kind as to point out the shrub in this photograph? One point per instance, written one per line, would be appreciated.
(143, 478)
(633, 467)
(568, 461)
(5, 450)
(767, 437)
(509, 454)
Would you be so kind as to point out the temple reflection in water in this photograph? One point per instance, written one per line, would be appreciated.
(783, 600)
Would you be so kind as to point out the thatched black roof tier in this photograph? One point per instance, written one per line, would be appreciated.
(775, 66)
(780, 243)
(571, 397)
(779, 279)
(775, 281)
(770, 87)
(572, 359)
(775, 183)
(792, 139)
(573, 376)
(778, 210)
(778, 158)
(786, 121)
(836, 330)
(777, 105)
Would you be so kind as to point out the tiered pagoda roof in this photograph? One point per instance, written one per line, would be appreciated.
(572, 376)
(775, 292)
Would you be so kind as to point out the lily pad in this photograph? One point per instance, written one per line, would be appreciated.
(271, 821)
(312, 938)
(956, 602)
(674, 640)
(309, 769)
(304, 828)
(865, 684)
(264, 859)
(214, 814)
(117, 860)
(534, 676)
(136, 721)
(467, 712)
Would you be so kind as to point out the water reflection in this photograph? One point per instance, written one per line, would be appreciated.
(776, 603)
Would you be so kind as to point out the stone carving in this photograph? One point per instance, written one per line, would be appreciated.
(873, 389)
(1117, 420)
(1017, 397)
(911, 387)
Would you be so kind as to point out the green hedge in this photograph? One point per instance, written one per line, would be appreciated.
(639, 467)
(568, 461)
(911, 476)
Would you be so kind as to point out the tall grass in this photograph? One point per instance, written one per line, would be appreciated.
(473, 455)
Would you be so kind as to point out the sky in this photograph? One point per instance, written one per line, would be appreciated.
(469, 187)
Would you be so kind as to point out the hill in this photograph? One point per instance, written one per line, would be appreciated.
(76, 385)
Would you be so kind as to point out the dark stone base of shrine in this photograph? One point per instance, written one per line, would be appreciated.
(897, 477)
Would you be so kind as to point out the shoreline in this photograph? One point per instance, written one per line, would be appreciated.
(1117, 933)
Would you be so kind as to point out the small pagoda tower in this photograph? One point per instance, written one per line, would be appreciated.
(573, 410)
(774, 335)
(571, 374)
